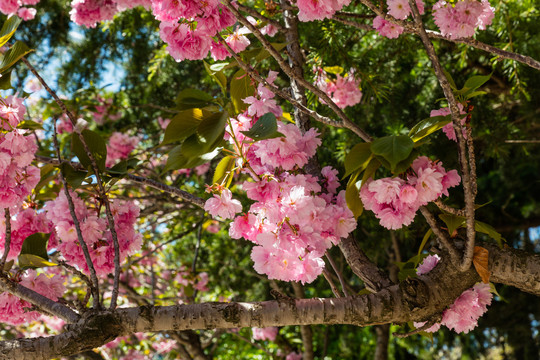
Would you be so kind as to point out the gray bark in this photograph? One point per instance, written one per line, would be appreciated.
(412, 300)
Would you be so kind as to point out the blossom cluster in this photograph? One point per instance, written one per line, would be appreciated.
(18, 7)
(14, 310)
(463, 18)
(455, 20)
(309, 10)
(344, 90)
(295, 217)
(95, 232)
(395, 201)
(119, 147)
(17, 176)
(463, 314)
(24, 224)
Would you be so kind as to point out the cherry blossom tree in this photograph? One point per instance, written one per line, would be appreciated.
(93, 205)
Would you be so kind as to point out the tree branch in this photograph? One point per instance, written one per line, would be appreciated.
(468, 178)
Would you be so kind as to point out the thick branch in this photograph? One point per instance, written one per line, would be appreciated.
(42, 302)
(370, 274)
(413, 300)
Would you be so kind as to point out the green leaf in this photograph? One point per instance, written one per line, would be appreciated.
(5, 81)
(223, 170)
(17, 51)
(177, 160)
(216, 73)
(241, 88)
(265, 128)
(33, 261)
(36, 244)
(428, 126)
(404, 165)
(29, 125)
(475, 93)
(211, 128)
(73, 177)
(450, 80)
(474, 82)
(358, 158)
(333, 69)
(371, 168)
(489, 230)
(193, 98)
(424, 241)
(8, 265)
(393, 148)
(182, 125)
(352, 196)
(407, 270)
(452, 222)
(8, 29)
(96, 145)
(263, 54)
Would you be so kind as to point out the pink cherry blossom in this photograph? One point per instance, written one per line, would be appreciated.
(267, 333)
(119, 147)
(461, 19)
(449, 128)
(89, 12)
(386, 28)
(223, 205)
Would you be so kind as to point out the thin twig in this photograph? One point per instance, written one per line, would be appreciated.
(346, 122)
(449, 209)
(408, 28)
(333, 286)
(184, 195)
(441, 236)
(179, 237)
(197, 247)
(40, 301)
(102, 192)
(7, 240)
(468, 179)
(259, 16)
(87, 257)
(338, 274)
(432, 321)
(282, 94)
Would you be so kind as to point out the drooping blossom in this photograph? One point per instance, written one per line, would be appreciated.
(17, 176)
(24, 224)
(319, 9)
(400, 9)
(26, 13)
(462, 316)
(12, 112)
(293, 220)
(89, 12)
(14, 311)
(428, 264)
(223, 205)
(462, 18)
(95, 232)
(396, 201)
